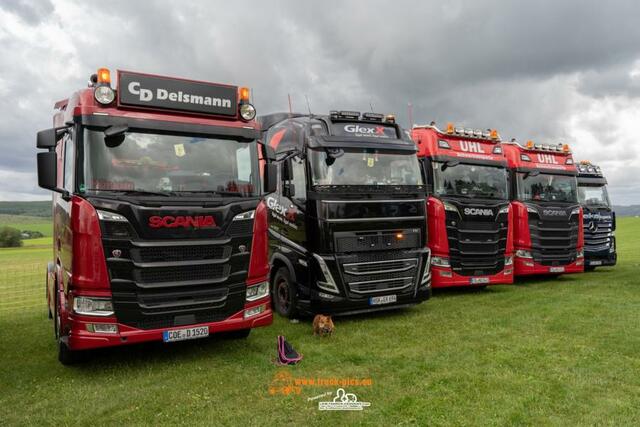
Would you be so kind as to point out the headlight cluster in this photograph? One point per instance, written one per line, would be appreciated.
(90, 306)
(521, 253)
(440, 261)
(255, 292)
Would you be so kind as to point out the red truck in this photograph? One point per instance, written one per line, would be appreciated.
(548, 234)
(158, 225)
(470, 233)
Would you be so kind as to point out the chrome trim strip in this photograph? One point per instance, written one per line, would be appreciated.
(373, 201)
(396, 218)
(380, 262)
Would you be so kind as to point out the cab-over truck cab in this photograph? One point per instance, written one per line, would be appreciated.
(599, 217)
(347, 223)
(159, 230)
(548, 236)
(470, 223)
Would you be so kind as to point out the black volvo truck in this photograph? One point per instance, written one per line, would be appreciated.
(599, 218)
(347, 223)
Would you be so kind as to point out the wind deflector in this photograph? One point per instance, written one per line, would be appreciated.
(361, 142)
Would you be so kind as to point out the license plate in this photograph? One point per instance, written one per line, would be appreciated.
(556, 269)
(595, 262)
(479, 280)
(185, 334)
(386, 299)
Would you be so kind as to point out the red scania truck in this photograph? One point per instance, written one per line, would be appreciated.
(159, 228)
(470, 233)
(548, 234)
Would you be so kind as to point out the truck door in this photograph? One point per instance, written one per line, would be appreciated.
(293, 205)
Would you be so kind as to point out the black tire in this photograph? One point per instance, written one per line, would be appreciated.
(284, 294)
(481, 287)
(589, 268)
(240, 334)
(65, 355)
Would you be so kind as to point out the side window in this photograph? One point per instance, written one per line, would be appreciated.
(69, 160)
(243, 163)
(299, 179)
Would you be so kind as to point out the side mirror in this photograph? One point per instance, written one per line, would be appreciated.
(289, 190)
(286, 173)
(268, 153)
(48, 170)
(48, 138)
(270, 177)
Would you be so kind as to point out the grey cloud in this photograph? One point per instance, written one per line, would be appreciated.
(31, 12)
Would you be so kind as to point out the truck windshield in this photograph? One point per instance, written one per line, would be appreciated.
(468, 180)
(547, 187)
(168, 163)
(593, 195)
(364, 167)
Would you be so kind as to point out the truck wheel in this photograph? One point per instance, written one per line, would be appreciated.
(285, 296)
(589, 268)
(65, 356)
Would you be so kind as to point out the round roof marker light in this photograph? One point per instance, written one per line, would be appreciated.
(104, 95)
(247, 112)
(477, 133)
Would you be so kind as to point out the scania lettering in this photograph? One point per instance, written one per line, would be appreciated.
(599, 217)
(470, 233)
(548, 236)
(159, 228)
(347, 223)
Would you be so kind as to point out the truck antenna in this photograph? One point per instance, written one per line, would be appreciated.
(290, 110)
(308, 105)
(410, 113)
(371, 106)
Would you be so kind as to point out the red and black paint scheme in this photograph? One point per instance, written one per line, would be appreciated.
(159, 228)
(548, 235)
(470, 221)
(347, 223)
(599, 217)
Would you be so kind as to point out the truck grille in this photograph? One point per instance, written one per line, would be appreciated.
(372, 273)
(597, 236)
(476, 247)
(553, 242)
(376, 241)
(167, 283)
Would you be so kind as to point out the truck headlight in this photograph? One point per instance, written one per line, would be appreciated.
(90, 306)
(426, 276)
(247, 112)
(521, 253)
(580, 253)
(104, 95)
(504, 210)
(255, 292)
(328, 284)
(440, 261)
(450, 207)
(508, 260)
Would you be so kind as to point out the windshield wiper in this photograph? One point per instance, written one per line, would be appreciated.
(220, 192)
(133, 192)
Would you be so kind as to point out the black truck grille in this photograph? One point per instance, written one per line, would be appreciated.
(163, 283)
(477, 247)
(377, 241)
(370, 273)
(597, 236)
(553, 241)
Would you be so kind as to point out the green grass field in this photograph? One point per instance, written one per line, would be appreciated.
(544, 352)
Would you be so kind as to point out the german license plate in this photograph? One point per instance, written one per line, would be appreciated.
(479, 280)
(556, 269)
(185, 334)
(595, 262)
(386, 299)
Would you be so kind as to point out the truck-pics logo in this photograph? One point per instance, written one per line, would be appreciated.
(199, 221)
(478, 212)
(343, 401)
(471, 147)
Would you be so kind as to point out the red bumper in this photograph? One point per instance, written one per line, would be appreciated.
(443, 277)
(81, 339)
(528, 267)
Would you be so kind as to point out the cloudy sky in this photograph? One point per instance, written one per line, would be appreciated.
(551, 71)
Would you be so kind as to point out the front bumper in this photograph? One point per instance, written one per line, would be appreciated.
(600, 259)
(80, 338)
(528, 267)
(325, 303)
(444, 277)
